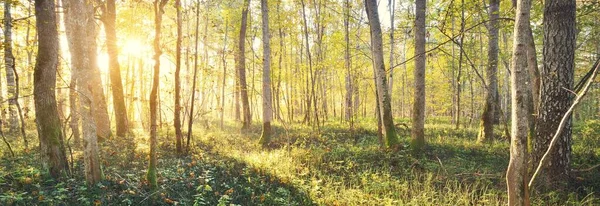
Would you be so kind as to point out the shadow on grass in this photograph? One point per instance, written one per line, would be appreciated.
(199, 178)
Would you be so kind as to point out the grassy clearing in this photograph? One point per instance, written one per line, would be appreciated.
(300, 167)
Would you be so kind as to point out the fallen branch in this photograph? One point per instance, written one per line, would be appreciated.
(563, 121)
(588, 169)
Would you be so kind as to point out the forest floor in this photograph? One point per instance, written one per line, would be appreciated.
(300, 167)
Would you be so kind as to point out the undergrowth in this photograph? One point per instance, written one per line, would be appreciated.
(301, 166)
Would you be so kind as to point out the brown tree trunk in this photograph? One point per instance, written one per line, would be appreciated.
(313, 96)
(555, 93)
(191, 114)
(240, 65)
(159, 6)
(109, 15)
(54, 159)
(177, 111)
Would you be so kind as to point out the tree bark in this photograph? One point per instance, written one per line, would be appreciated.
(555, 93)
(159, 6)
(347, 63)
(418, 113)
(108, 18)
(486, 131)
(9, 62)
(54, 159)
(240, 64)
(392, 7)
(191, 114)
(177, 110)
(516, 174)
(267, 100)
(313, 96)
(383, 96)
(79, 20)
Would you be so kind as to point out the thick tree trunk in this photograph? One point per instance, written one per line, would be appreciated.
(555, 93)
(177, 110)
(240, 65)
(100, 114)
(9, 62)
(385, 108)
(516, 174)
(418, 113)
(81, 26)
(74, 108)
(159, 6)
(54, 159)
(109, 15)
(486, 131)
(267, 100)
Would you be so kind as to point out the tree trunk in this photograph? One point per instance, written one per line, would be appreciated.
(109, 14)
(81, 27)
(418, 113)
(54, 159)
(223, 82)
(159, 6)
(177, 111)
(383, 97)
(347, 64)
(240, 65)
(486, 131)
(516, 174)
(9, 61)
(191, 114)
(392, 6)
(100, 114)
(459, 72)
(267, 100)
(313, 96)
(556, 96)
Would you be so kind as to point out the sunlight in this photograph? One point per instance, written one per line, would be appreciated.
(132, 47)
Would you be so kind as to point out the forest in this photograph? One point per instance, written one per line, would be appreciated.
(300, 102)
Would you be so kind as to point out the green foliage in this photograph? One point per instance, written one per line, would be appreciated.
(300, 168)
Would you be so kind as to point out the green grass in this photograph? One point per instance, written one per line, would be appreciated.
(300, 167)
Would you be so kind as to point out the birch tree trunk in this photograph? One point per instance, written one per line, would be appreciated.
(516, 174)
(383, 96)
(267, 100)
(54, 159)
(418, 113)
